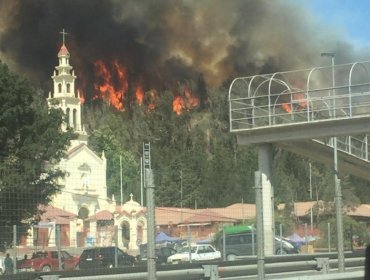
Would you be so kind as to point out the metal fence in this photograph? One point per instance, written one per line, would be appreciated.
(308, 95)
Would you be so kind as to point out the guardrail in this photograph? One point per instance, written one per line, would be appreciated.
(317, 266)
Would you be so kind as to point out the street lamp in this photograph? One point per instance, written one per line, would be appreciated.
(311, 211)
(332, 56)
(338, 192)
(181, 195)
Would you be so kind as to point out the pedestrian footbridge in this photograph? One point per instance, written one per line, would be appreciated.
(302, 110)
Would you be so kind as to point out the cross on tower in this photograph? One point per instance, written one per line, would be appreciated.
(63, 35)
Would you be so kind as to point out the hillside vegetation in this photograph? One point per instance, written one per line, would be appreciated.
(196, 150)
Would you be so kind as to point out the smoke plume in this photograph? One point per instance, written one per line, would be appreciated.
(163, 43)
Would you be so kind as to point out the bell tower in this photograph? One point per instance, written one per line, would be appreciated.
(64, 95)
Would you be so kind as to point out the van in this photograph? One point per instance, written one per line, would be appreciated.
(245, 244)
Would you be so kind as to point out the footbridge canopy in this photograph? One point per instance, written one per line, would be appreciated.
(301, 110)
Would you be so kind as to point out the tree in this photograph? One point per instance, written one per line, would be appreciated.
(104, 139)
(30, 140)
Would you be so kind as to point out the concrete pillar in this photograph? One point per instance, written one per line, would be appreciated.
(264, 166)
(93, 230)
(119, 232)
(29, 242)
(133, 233)
(52, 235)
(73, 233)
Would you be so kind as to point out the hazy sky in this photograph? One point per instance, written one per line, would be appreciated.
(352, 17)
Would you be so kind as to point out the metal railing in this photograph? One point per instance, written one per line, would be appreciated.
(315, 267)
(262, 101)
(356, 146)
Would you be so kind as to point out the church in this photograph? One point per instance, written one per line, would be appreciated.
(82, 214)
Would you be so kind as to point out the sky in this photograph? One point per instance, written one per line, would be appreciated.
(349, 16)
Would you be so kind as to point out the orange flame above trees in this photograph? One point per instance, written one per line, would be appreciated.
(113, 85)
(115, 92)
(184, 102)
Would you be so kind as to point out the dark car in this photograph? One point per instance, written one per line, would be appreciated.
(161, 253)
(104, 257)
(245, 243)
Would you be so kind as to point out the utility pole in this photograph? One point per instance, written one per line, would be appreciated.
(311, 211)
(149, 185)
(120, 172)
(259, 222)
(338, 191)
(141, 182)
(181, 195)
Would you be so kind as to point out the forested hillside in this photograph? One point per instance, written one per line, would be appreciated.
(195, 150)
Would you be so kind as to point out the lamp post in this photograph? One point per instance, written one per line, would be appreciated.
(181, 217)
(120, 173)
(311, 212)
(338, 192)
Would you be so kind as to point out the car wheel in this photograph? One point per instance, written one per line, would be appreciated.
(46, 268)
(231, 257)
(281, 252)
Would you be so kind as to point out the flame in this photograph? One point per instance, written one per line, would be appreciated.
(106, 88)
(302, 101)
(112, 85)
(177, 105)
(186, 101)
(139, 93)
(298, 103)
(81, 95)
(152, 97)
(287, 107)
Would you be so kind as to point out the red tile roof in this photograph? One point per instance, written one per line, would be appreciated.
(51, 213)
(362, 210)
(63, 50)
(207, 216)
(103, 215)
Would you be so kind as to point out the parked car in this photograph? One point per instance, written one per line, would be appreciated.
(104, 257)
(48, 261)
(245, 243)
(197, 253)
(2, 266)
(161, 253)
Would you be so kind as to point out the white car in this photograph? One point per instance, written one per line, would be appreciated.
(204, 252)
(2, 266)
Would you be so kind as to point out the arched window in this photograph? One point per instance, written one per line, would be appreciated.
(83, 213)
(74, 118)
(68, 88)
(59, 88)
(139, 233)
(125, 233)
(67, 117)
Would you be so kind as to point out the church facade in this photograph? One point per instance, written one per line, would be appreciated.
(83, 212)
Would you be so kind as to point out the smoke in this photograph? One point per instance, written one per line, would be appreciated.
(162, 43)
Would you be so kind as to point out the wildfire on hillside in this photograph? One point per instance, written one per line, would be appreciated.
(185, 101)
(112, 84)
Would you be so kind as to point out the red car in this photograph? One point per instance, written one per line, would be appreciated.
(48, 261)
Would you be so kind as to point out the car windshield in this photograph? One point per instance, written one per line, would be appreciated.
(39, 255)
(186, 249)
